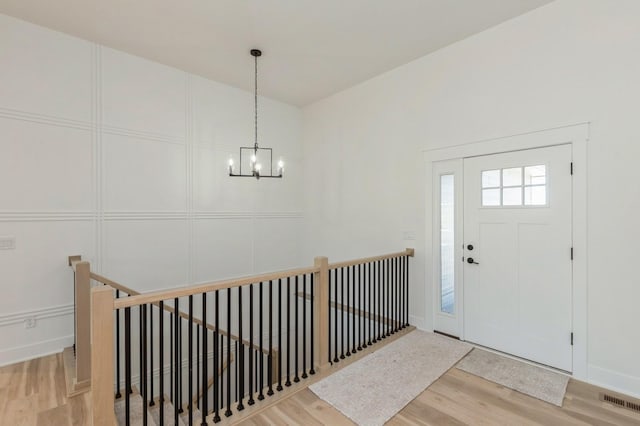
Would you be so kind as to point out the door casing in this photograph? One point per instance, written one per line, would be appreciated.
(577, 135)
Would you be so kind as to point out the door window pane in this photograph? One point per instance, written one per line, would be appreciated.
(535, 175)
(491, 179)
(515, 186)
(447, 244)
(512, 196)
(512, 177)
(535, 195)
(491, 197)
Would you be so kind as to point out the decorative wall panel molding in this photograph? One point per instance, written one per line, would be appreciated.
(39, 216)
(37, 314)
(44, 119)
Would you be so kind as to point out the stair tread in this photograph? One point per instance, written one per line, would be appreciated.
(135, 415)
(196, 417)
(168, 414)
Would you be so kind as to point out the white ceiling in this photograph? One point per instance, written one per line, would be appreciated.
(311, 48)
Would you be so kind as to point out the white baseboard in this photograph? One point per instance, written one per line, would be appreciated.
(35, 350)
(418, 322)
(622, 383)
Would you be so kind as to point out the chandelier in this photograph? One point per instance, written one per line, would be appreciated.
(255, 154)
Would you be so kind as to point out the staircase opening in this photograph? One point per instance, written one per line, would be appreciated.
(215, 352)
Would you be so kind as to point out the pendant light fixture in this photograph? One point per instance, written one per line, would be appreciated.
(255, 154)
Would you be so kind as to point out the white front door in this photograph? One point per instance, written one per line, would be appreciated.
(517, 253)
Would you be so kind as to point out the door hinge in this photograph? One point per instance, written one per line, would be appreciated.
(572, 167)
(571, 253)
(572, 339)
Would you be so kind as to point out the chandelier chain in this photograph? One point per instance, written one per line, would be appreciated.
(255, 100)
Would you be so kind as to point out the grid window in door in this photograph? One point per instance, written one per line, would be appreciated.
(515, 187)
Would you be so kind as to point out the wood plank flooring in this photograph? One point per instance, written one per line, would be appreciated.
(460, 398)
(32, 393)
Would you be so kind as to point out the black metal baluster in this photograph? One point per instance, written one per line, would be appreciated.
(140, 359)
(406, 295)
(257, 368)
(313, 324)
(127, 365)
(379, 319)
(228, 412)
(342, 321)
(197, 400)
(190, 361)
(362, 343)
(151, 401)
(171, 348)
(118, 394)
(288, 382)
(217, 371)
(369, 312)
(296, 320)
(348, 308)
(400, 323)
(392, 298)
(397, 293)
(353, 308)
(250, 401)
(304, 327)
(204, 409)
(240, 361)
(329, 319)
(279, 387)
(335, 316)
(260, 311)
(222, 337)
(179, 359)
(270, 358)
(383, 316)
(143, 371)
(161, 359)
(388, 298)
(178, 366)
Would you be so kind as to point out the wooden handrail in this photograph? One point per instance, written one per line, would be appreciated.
(157, 296)
(408, 252)
(170, 309)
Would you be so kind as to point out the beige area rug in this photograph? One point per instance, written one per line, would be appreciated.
(525, 378)
(372, 390)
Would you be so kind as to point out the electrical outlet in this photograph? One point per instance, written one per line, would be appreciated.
(7, 243)
(29, 322)
(409, 235)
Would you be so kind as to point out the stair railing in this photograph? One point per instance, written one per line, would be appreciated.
(286, 326)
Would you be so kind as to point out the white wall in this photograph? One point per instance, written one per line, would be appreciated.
(124, 161)
(568, 62)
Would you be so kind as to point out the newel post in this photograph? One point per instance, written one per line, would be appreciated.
(321, 312)
(102, 362)
(83, 321)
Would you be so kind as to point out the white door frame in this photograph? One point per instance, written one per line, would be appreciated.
(577, 135)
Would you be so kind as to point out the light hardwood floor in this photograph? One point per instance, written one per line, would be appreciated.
(460, 398)
(33, 393)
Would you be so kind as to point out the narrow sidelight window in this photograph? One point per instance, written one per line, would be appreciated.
(447, 243)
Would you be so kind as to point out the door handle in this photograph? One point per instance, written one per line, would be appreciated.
(471, 261)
